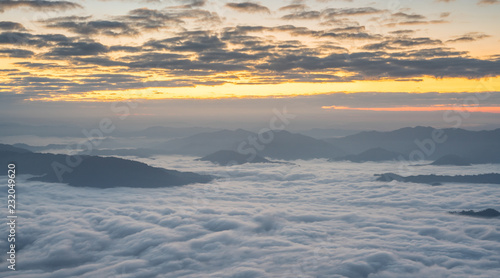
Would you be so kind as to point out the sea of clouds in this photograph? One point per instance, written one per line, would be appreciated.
(311, 219)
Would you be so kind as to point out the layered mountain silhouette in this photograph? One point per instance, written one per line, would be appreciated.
(227, 157)
(474, 146)
(274, 144)
(375, 155)
(94, 171)
(454, 147)
(492, 178)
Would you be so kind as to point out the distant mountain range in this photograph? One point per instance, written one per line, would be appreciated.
(227, 157)
(454, 147)
(474, 146)
(94, 171)
(284, 145)
(437, 180)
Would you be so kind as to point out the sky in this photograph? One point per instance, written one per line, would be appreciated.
(67, 54)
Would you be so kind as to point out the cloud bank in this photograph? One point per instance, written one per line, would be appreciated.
(314, 219)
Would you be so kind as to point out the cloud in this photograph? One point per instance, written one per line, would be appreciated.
(469, 37)
(302, 15)
(248, 7)
(17, 53)
(400, 43)
(406, 16)
(191, 4)
(9, 25)
(351, 11)
(294, 7)
(191, 45)
(245, 226)
(23, 38)
(77, 49)
(38, 5)
(83, 26)
(330, 14)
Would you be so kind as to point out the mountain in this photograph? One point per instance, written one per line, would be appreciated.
(451, 159)
(40, 148)
(227, 157)
(475, 146)
(167, 132)
(13, 149)
(206, 143)
(487, 213)
(95, 171)
(290, 146)
(492, 178)
(139, 152)
(274, 144)
(375, 154)
(324, 133)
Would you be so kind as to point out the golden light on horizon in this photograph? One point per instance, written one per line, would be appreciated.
(428, 84)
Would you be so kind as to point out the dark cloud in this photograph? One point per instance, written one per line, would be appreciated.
(81, 25)
(38, 5)
(294, 7)
(191, 4)
(248, 7)
(406, 16)
(375, 65)
(331, 16)
(302, 15)
(469, 37)
(188, 56)
(9, 25)
(22, 38)
(151, 19)
(38, 66)
(349, 34)
(189, 41)
(402, 43)
(418, 22)
(329, 13)
(77, 49)
(402, 32)
(16, 53)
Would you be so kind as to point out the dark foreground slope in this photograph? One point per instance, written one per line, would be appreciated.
(94, 171)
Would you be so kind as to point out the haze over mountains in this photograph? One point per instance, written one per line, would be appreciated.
(447, 146)
(476, 146)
